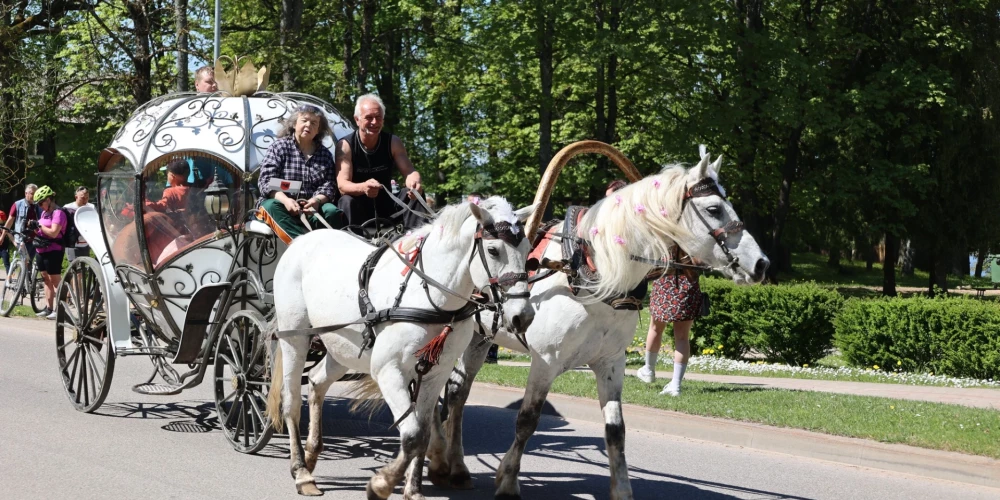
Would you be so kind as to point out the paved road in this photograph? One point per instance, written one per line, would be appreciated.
(145, 447)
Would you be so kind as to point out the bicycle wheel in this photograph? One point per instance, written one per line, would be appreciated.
(36, 289)
(12, 287)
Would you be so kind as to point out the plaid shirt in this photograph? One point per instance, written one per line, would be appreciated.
(285, 161)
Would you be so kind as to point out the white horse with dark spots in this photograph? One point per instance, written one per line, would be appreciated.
(317, 285)
(625, 235)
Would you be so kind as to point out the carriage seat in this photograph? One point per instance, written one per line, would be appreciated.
(259, 227)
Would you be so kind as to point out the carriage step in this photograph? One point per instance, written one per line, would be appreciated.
(158, 389)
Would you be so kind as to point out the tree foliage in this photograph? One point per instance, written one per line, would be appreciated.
(843, 121)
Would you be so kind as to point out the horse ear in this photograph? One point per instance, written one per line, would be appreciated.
(700, 171)
(481, 214)
(717, 165)
(522, 214)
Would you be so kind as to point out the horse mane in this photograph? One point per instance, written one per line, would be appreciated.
(448, 223)
(640, 219)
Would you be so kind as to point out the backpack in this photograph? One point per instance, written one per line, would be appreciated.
(71, 235)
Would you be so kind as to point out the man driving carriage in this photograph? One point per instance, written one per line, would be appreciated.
(298, 156)
(365, 161)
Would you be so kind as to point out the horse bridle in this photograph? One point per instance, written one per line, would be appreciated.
(511, 234)
(708, 187)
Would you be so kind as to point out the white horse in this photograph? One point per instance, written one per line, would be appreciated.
(317, 284)
(642, 219)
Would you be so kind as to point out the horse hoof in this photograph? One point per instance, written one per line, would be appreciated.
(308, 490)
(414, 496)
(439, 478)
(370, 493)
(461, 481)
(375, 484)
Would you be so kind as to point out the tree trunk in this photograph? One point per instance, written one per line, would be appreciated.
(907, 256)
(392, 45)
(291, 21)
(981, 256)
(180, 12)
(889, 266)
(939, 274)
(348, 74)
(368, 9)
(788, 170)
(142, 82)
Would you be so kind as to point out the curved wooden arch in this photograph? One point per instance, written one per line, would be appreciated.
(555, 167)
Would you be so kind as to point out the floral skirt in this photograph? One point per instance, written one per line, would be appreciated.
(675, 298)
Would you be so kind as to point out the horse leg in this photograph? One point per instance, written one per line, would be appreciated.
(321, 378)
(539, 382)
(438, 471)
(293, 352)
(393, 384)
(610, 375)
(457, 391)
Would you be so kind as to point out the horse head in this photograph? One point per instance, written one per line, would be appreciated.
(497, 264)
(715, 235)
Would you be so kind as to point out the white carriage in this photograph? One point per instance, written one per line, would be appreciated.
(183, 273)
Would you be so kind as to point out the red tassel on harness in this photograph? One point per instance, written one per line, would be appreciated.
(432, 351)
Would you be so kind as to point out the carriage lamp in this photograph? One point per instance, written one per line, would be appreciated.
(217, 199)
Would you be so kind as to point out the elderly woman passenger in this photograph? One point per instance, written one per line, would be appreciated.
(299, 155)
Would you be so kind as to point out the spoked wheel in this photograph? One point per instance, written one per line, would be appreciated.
(12, 287)
(35, 287)
(242, 377)
(83, 344)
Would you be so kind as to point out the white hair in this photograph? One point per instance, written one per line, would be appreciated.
(640, 219)
(368, 97)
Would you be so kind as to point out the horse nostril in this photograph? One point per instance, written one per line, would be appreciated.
(761, 266)
(516, 323)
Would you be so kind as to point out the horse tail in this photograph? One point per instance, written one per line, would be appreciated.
(367, 396)
(274, 393)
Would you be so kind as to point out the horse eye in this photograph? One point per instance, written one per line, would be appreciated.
(714, 210)
(493, 251)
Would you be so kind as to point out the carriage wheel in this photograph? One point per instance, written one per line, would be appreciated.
(242, 377)
(35, 287)
(83, 345)
(12, 287)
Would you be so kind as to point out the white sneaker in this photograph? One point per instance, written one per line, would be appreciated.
(671, 390)
(54, 315)
(646, 374)
(44, 312)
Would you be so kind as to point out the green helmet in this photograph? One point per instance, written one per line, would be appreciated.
(42, 193)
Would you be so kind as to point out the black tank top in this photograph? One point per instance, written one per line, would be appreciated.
(376, 164)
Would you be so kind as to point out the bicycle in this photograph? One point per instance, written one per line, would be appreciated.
(22, 277)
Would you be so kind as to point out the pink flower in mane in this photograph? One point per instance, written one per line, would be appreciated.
(663, 212)
(656, 183)
(593, 231)
(618, 200)
(640, 208)
(619, 240)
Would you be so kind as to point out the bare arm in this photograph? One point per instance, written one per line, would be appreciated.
(410, 175)
(9, 224)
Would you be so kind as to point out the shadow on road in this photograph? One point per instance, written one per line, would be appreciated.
(488, 434)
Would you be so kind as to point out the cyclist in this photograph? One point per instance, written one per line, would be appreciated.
(20, 213)
(50, 228)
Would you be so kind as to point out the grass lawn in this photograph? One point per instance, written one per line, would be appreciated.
(813, 267)
(928, 425)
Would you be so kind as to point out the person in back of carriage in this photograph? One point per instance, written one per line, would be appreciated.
(365, 163)
(204, 80)
(299, 155)
(49, 228)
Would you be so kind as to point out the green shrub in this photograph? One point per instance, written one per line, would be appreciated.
(953, 336)
(790, 323)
